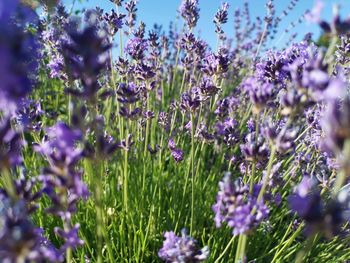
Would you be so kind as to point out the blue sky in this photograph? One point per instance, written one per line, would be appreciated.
(164, 11)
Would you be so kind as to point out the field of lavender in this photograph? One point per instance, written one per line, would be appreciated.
(121, 142)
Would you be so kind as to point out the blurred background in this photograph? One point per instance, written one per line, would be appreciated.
(163, 12)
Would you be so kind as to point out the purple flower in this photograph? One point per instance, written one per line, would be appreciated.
(126, 144)
(163, 120)
(221, 14)
(226, 106)
(28, 115)
(282, 137)
(207, 88)
(62, 182)
(189, 10)
(20, 240)
(117, 2)
(216, 64)
(203, 134)
(128, 93)
(337, 25)
(236, 207)
(144, 71)
(71, 237)
(182, 249)
(336, 125)
(227, 130)
(59, 148)
(19, 52)
(177, 153)
(314, 16)
(115, 21)
(271, 68)
(251, 125)
(136, 47)
(130, 6)
(86, 56)
(319, 216)
(190, 100)
(220, 18)
(260, 93)
(254, 149)
(56, 66)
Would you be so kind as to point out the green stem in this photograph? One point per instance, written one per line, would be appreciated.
(125, 182)
(268, 171)
(287, 243)
(252, 176)
(225, 250)
(99, 215)
(192, 171)
(238, 250)
(175, 69)
(243, 246)
(66, 228)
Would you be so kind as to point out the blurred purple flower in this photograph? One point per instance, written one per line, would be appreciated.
(19, 52)
(314, 16)
(20, 240)
(182, 249)
(319, 216)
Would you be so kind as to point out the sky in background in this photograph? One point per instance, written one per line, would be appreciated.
(164, 11)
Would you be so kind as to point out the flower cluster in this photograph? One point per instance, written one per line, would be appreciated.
(181, 249)
(62, 182)
(236, 207)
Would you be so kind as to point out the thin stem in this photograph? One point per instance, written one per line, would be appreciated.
(125, 182)
(268, 171)
(99, 218)
(238, 248)
(288, 242)
(242, 249)
(261, 41)
(192, 171)
(252, 176)
(175, 68)
(66, 227)
(225, 250)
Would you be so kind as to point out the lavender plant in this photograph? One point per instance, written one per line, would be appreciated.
(115, 136)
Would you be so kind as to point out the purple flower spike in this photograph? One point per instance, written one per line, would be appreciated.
(20, 240)
(181, 249)
(234, 206)
(115, 21)
(189, 10)
(136, 48)
(85, 57)
(177, 153)
(71, 237)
